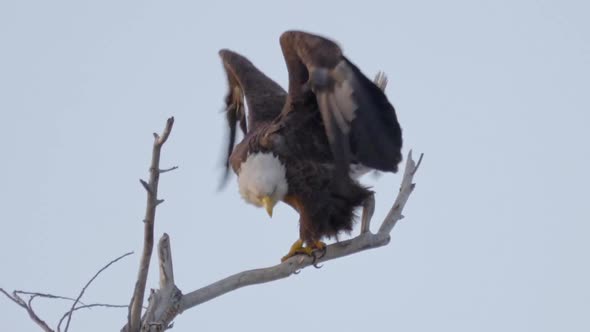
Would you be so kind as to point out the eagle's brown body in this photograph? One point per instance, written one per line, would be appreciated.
(332, 117)
(325, 202)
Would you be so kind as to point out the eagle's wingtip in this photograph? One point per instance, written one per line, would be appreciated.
(224, 52)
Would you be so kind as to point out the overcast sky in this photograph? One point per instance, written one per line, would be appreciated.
(496, 94)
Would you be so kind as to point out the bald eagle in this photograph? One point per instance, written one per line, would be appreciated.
(301, 147)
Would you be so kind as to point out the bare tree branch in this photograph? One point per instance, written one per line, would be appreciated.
(165, 170)
(20, 302)
(164, 304)
(45, 295)
(89, 306)
(293, 265)
(417, 164)
(165, 259)
(134, 316)
(406, 188)
(28, 306)
(12, 298)
(146, 186)
(86, 286)
(167, 302)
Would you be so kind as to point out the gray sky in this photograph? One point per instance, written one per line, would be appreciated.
(495, 94)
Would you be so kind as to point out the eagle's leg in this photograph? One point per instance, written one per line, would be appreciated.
(368, 210)
(298, 248)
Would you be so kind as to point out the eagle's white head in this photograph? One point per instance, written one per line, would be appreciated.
(262, 180)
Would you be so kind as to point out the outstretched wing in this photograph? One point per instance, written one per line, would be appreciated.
(358, 119)
(264, 97)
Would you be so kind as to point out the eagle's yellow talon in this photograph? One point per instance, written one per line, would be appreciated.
(319, 245)
(298, 249)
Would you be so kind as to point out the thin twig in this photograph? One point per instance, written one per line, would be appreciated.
(146, 186)
(88, 284)
(28, 306)
(165, 170)
(30, 302)
(418, 163)
(45, 295)
(12, 298)
(134, 315)
(88, 306)
(20, 302)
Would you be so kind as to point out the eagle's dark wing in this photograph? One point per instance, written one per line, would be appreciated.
(359, 120)
(264, 97)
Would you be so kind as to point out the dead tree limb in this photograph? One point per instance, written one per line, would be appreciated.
(167, 302)
(89, 306)
(164, 303)
(134, 315)
(45, 295)
(85, 287)
(28, 305)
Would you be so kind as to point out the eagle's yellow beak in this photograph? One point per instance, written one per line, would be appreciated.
(268, 204)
